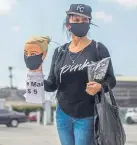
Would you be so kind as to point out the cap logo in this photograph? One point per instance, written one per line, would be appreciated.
(80, 8)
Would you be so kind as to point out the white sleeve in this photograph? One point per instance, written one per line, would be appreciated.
(35, 88)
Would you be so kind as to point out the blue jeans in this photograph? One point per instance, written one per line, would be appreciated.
(73, 131)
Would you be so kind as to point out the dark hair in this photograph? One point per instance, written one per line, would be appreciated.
(66, 22)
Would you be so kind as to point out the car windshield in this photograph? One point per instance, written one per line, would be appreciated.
(132, 110)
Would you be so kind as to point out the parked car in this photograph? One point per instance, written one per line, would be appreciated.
(11, 118)
(32, 116)
(131, 116)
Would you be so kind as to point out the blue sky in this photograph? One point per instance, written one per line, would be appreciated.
(20, 19)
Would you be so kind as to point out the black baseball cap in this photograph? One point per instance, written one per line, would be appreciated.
(80, 10)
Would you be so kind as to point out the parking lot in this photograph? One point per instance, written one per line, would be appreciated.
(33, 134)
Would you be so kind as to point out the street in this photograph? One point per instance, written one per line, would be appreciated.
(33, 134)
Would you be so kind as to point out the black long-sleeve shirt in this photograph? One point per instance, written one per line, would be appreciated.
(70, 79)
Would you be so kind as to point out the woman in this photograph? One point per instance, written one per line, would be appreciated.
(68, 75)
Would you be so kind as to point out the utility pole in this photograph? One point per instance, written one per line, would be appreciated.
(11, 85)
(10, 76)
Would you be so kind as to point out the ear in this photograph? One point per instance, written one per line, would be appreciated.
(68, 27)
(44, 55)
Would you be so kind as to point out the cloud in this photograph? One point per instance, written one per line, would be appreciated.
(102, 16)
(125, 3)
(6, 6)
(16, 28)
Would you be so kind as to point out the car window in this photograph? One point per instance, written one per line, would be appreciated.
(132, 110)
(135, 110)
(4, 111)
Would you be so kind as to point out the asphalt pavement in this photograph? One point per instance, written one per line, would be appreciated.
(34, 134)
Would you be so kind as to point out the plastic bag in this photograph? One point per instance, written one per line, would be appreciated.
(108, 126)
(35, 88)
(97, 70)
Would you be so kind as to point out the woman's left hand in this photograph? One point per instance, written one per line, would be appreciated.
(93, 88)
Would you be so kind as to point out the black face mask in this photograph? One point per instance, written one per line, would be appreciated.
(33, 62)
(79, 29)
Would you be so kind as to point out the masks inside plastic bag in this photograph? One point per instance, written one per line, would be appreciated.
(97, 70)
